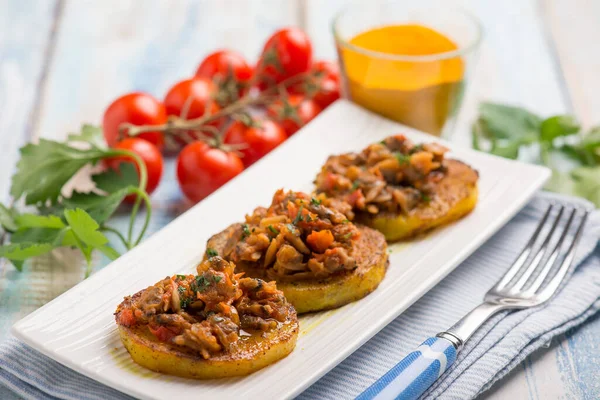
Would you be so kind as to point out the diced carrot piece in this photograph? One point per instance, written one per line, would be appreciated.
(320, 241)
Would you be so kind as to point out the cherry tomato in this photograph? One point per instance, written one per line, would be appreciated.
(260, 137)
(195, 95)
(293, 112)
(202, 169)
(149, 153)
(226, 67)
(324, 88)
(287, 53)
(328, 69)
(198, 92)
(136, 109)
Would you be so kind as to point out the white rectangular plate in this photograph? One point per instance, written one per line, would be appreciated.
(78, 328)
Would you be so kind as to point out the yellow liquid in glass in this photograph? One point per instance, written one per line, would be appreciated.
(421, 94)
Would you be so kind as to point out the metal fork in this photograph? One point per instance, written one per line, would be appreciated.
(526, 284)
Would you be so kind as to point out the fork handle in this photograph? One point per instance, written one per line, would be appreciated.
(412, 376)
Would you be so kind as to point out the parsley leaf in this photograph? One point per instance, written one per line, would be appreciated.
(112, 181)
(315, 202)
(7, 220)
(99, 207)
(90, 134)
(245, 231)
(210, 252)
(402, 158)
(19, 252)
(273, 230)
(45, 167)
(85, 227)
(299, 215)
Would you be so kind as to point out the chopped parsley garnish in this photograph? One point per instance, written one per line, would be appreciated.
(425, 198)
(210, 252)
(273, 230)
(315, 202)
(355, 185)
(183, 301)
(299, 215)
(308, 218)
(402, 158)
(202, 283)
(383, 142)
(181, 277)
(245, 231)
(416, 149)
(217, 278)
(218, 319)
(347, 236)
(346, 221)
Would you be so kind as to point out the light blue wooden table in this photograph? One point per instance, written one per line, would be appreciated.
(63, 61)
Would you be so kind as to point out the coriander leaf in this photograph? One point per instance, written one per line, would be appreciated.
(7, 220)
(99, 207)
(44, 168)
(111, 181)
(500, 121)
(39, 221)
(557, 126)
(90, 134)
(85, 228)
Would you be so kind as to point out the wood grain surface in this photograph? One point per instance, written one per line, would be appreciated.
(63, 61)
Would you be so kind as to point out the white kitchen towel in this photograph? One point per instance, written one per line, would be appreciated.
(500, 345)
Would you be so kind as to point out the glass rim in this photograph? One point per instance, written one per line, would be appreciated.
(405, 57)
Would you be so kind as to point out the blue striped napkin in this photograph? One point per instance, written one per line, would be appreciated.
(498, 347)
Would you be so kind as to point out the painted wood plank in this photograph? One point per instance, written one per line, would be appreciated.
(574, 26)
(23, 55)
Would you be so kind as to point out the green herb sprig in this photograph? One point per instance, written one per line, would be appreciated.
(78, 220)
(557, 142)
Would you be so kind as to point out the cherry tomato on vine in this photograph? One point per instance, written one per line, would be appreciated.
(293, 112)
(323, 87)
(189, 99)
(149, 154)
(226, 68)
(288, 52)
(192, 97)
(202, 169)
(260, 137)
(137, 109)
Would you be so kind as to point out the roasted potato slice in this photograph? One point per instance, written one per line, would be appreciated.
(317, 294)
(248, 355)
(452, 198)
(400, 188)
(211, 325)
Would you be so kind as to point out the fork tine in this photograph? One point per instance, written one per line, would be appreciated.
(552, 259)
(555, 282)
(538, 257)
(514, 269)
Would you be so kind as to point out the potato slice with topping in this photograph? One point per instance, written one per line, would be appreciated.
(210, 325)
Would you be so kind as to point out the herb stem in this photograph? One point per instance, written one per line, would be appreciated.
(143, 173)
(143, 195)
(117, 233)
